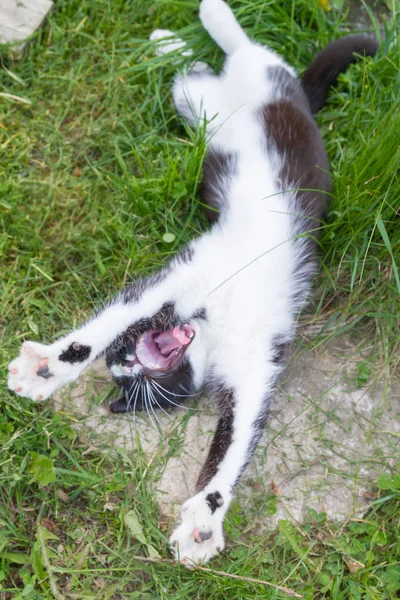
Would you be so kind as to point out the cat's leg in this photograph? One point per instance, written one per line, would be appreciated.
(244, 410)
(247, 62)
(198, 97)
(40, 369)
(220, 22)
(194, 89)
(250, 79)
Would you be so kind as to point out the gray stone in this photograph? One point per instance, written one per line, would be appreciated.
(19, 19)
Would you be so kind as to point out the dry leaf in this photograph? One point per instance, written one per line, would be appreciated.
(49, 525)
(62, 495)
(369, 495)
(353, 565)
(274, 488)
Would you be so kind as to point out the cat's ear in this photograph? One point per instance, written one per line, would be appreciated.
(163, 350)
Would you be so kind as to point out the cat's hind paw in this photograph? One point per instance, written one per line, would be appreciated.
(199, 537)
(168, 42)
(36, 373)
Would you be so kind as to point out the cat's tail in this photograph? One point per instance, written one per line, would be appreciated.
(334, 59)
(220, 22)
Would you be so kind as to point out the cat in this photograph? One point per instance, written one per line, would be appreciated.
(220, 316)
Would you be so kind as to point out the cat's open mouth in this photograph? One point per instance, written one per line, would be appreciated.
(162, 351)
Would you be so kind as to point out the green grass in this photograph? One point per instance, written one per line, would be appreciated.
(95, 169)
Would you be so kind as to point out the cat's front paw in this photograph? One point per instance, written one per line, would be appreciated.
(37, 372)
(199, 537)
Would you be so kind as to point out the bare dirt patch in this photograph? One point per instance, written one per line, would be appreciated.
(326, 442)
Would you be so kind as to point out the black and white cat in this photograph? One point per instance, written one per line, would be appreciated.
(221, 314)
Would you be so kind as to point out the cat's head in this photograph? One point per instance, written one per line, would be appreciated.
(152, 364)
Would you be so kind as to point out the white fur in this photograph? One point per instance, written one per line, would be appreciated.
(220, 22)
(242, 271)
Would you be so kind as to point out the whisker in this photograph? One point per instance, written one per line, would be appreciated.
(160, 375)
(170, 401)
(143, 390)
(179, 395)
(128, 396)
(127, 400)
(187, 395)
(134, 404)
(155, 399)
(134, 381)
(150, 394)
(146, 402)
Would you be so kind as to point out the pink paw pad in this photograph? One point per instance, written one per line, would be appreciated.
(28, 349)
(43, 370)
(201, 536)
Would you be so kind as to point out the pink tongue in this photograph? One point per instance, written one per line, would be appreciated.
(171, 340)
(159, 350)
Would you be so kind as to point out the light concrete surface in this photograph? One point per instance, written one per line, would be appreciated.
(324, 447)
(19, 19)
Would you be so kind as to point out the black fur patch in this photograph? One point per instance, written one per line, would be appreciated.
(218, 169)
(223, 435)
(163, 320)
(200, 314)
(177, 384)
(279, 351)
(214, 501)
(185, 255)
(75, 353)
(134, 292)
(306, 166)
